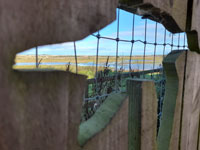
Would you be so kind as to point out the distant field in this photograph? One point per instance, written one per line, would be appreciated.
(83, 59)
(87, 70)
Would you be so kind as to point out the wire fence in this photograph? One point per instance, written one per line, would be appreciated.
(136, 52)
(106, 84)
(145, 43)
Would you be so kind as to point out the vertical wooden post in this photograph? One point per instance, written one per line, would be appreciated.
(142, 124)
(36, 56)
(194, 35)
(43, 112)
(181, 110)
(86, 90)
(199, 139)
(170, 104)
(107, 129)
(171, 13)
(190, 102)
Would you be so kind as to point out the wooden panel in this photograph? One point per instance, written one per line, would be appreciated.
(171, 13)
(176, 15)
(51, 21)
(180, 121)
(169, 129)
(194, 37)
(133, 126)
(199, 139)
(124, 74)
(111, 136)
(191, 102)
(142, 115)
(41, 110)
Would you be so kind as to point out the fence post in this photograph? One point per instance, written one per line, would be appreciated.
(180, 125)
(142, 121)
(169, 104)
(86, 90)
(172, 14)
(36, 57)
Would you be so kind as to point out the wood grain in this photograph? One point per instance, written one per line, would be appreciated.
(194, 34)
(180, 121)
(171, 13)
(115, 135)
(142, 115)
(191, 102)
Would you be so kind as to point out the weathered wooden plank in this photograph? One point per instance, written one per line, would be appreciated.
(171, 13)
(194, 34)
(125, 75)
(108, 128)
(133, 126)
(198, 148)
(142, 115)
(180, 121)
(42, 111)
(191, 102)
(51, 21)
(171, 105)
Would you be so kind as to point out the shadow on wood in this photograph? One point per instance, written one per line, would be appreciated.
(171, 13)
(181, 110)
(123, 123)
(41, 110)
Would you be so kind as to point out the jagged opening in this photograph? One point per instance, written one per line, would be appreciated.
(129, 47)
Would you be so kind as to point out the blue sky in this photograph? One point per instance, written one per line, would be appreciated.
(88, 45)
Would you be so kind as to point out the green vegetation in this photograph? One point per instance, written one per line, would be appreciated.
(86, 70)
(84, 59)
(95, 120)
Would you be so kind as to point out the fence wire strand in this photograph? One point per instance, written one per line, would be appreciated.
(117, 49)
(160, 45)
(164, 43)
(156, 43)
(172, 42)
(75, 56)
(145, 44)
(155, 46)
(163, 46)
(97, 58)
(132, 42)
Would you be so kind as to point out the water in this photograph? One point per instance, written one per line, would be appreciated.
(147, 66)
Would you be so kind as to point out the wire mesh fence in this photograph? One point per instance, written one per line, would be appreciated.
(132, 47)
(149, 65)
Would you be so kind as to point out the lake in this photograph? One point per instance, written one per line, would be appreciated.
(137, 66)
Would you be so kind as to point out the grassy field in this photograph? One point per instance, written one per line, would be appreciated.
(83, 59)
(86, 70)
(103, 87)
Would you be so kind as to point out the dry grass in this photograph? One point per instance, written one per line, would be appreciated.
(84, 59)
(86, 70)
